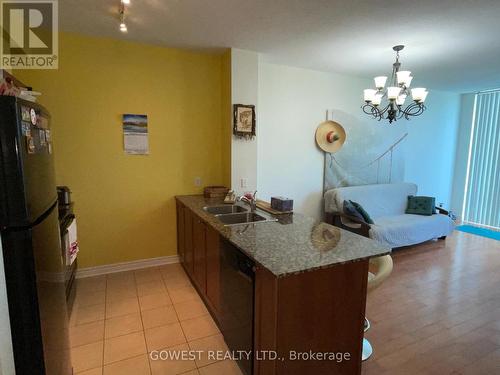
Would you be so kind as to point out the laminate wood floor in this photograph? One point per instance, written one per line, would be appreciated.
(439, 311)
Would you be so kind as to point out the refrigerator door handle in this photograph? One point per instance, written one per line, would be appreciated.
(36, 222)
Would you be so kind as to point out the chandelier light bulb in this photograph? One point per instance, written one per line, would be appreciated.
(403, 77)
(401, 99)
(123, 27)
(380, 82)
(393, 92)
(418, 93)
(424, 96)
(377, 99)
(126, 2)
(369, 94)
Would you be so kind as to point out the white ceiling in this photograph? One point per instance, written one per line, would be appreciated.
(452, 45)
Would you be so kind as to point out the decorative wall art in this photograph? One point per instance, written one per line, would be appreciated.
(135, 134)
(363, 169)
(359, 154)
(244, 121)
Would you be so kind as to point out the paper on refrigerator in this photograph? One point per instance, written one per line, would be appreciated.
(71, 240)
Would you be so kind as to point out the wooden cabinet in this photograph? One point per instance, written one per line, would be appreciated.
(198, 249)
(180, 230)
(188, 242)
(320, 311)
(200, 256)
(213, 270)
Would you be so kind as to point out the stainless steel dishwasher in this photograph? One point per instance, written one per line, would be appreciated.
(237, 284)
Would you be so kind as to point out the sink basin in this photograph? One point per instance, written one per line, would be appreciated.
(242, 218)
(226, 209)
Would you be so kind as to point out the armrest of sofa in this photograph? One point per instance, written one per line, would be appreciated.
(339, 219)
(442, 211)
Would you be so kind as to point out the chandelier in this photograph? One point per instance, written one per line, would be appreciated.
(395, 95)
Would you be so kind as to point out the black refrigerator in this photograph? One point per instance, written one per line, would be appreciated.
(33, 260)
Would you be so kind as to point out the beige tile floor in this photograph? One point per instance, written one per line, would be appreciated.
(118, 319)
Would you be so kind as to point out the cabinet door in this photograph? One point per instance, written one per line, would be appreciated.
(188, 241)
(213, 285)
(199, 246)
(180, 231)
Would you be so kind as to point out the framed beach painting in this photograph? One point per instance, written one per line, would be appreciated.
(135, 134)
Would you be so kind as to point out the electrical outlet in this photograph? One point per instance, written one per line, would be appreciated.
(197, 181)
(244, 182)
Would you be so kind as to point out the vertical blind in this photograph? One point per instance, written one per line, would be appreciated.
(482, 194)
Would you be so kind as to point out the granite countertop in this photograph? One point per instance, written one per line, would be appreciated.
(293, 244)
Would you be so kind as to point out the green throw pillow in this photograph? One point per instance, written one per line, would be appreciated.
(363, 212)
(421, 205)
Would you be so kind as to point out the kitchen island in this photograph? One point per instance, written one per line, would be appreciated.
(301, 309)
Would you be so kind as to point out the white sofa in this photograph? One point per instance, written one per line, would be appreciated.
(386, 205)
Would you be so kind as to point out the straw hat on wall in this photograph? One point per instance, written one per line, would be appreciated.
(330, 136)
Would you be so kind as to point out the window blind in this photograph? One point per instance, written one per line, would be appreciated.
(482, 193)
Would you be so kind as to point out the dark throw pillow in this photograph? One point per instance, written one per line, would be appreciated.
(421, 205)
(362, 211)
(350, 209)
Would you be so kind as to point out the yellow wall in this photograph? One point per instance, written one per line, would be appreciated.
(124, 203)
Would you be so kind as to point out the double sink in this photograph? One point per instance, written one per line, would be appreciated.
(233, 214)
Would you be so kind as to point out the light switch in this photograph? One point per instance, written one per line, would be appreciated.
(197, 181)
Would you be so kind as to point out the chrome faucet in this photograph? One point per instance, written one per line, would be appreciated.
(252, 202)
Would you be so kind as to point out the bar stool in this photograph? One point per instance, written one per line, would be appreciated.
(380, 269)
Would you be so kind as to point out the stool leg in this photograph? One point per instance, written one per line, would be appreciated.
(367, 350)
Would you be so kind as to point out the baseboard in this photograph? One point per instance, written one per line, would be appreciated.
(125, 266)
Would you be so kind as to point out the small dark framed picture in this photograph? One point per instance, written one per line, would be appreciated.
(244, 120)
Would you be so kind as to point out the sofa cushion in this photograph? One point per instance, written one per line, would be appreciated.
(378, 200)
(351, 210)
(408, 229)
(421, 205)
(362, 211)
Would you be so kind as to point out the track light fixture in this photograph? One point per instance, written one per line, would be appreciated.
(122, 8)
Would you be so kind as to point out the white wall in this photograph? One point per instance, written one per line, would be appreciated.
(293, 101)
(244, 90)
(431, 147)
(462, 153)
